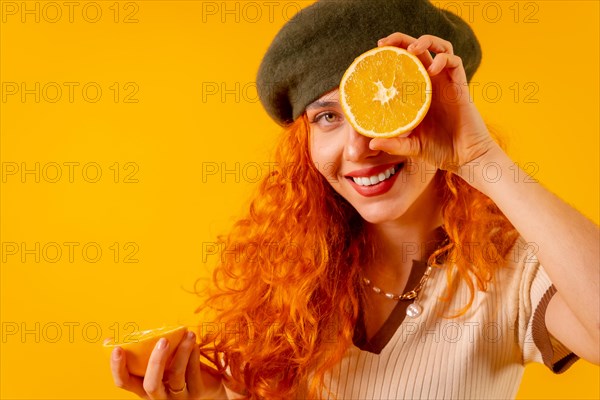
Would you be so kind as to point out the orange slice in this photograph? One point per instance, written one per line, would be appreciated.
(138, 346)
(385, 92)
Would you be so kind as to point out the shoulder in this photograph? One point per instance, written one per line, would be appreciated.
(520, 264)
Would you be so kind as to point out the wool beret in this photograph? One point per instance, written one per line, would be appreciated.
(310, 54)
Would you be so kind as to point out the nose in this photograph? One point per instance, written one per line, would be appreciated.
(357, 146)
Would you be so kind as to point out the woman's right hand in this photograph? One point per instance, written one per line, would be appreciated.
(181, 379)
(453, 132)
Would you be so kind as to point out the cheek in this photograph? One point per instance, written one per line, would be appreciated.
(326, 166)
(325, 157)
(419, 173)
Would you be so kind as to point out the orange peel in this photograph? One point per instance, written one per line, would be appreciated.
(139, 345)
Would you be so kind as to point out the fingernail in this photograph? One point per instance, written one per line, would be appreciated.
(162, 344)
(190, 335)
(116, 354)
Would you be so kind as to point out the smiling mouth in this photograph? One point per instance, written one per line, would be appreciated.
(377, 178)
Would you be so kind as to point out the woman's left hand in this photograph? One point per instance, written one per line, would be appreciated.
(453, 132)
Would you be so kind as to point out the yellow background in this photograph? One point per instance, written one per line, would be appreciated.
(161, 210)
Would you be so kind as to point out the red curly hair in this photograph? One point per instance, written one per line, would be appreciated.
(286, 289)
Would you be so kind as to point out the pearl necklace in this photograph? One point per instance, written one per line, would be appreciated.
(414, 309)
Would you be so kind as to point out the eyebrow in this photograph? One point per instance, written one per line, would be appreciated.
(322, 104)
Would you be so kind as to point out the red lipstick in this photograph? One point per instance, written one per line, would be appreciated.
(379, 188)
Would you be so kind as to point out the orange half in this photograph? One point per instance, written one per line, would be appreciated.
(138, 346)
(385, 92)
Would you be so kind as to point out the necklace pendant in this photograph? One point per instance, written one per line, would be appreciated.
(414, 310)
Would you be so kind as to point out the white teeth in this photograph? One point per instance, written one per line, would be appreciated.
(375, 179)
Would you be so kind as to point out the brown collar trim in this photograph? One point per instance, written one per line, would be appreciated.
(385, 333)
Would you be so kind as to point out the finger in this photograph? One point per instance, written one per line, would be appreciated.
(153, 380)
(121, 376)
(432, 43)
(396, 39)
(453, 64)
(177, 369)
(405, 41)
(406, 146)
(193, 375)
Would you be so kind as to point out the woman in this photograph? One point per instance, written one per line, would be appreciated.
(422, 277)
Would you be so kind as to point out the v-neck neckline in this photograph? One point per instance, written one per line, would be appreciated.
(389, 327)
(383, 335)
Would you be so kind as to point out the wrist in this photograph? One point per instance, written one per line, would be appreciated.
(485, 170)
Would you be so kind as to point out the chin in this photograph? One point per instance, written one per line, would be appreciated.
(378, 213)
(408, 199)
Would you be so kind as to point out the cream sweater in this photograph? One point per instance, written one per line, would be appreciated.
(480, 355)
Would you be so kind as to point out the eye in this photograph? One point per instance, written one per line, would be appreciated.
(327, 119)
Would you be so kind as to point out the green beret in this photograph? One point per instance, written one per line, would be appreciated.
(310, 54)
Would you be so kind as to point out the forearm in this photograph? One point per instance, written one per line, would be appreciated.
(567, 242)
